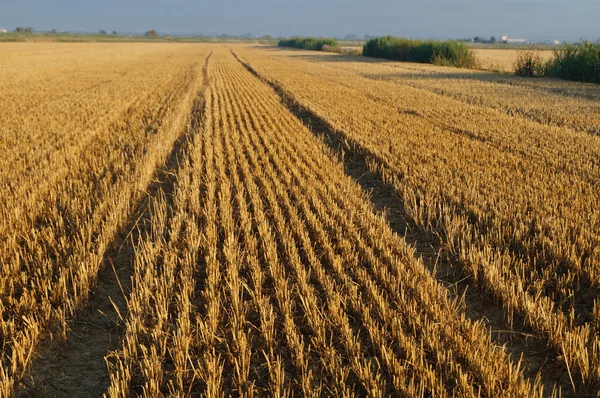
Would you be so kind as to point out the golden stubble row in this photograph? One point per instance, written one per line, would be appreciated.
(512, 200)
(55, 236)
(270, 273)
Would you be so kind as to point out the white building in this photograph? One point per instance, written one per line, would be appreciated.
(3, 31)
(506, 39)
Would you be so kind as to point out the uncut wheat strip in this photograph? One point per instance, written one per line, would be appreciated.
(266, 357)
(240, 339)
(230, 288)
(211, 364)
(274, 177)
(359, 367)
(314, 316)
(269, 254)
(279, 228)
(232, 334)
(249, 241)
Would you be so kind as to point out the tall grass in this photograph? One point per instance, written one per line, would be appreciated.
(576, 62)
(308, 43)
(448, 53)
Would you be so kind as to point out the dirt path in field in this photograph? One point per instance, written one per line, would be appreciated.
(536, 358)
(76, 367)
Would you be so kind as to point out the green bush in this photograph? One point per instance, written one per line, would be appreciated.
(580, 62)
(308, 43)
(449, 53)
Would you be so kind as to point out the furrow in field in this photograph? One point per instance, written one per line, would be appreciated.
(456, 188)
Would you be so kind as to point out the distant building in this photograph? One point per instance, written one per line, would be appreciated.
(556, 42)
(3, 31)
(508, 40)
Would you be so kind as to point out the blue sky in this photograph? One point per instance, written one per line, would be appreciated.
(532, 19)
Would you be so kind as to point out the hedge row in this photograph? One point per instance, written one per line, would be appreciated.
(449, 53)
(576, 62)
(308, 43)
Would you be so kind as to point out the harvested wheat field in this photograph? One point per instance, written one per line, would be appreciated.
(503, 59)
(216, 220)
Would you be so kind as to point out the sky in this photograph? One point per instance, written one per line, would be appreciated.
(530, 19)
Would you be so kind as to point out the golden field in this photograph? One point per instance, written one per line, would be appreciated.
(502, 59)
(195, 219)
